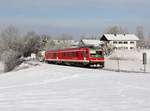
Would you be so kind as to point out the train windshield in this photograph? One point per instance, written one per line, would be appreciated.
(95, 53)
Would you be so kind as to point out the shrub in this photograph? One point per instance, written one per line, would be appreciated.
(13, 45)
(10, 59)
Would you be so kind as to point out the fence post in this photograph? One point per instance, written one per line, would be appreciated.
(144, 61)
(118, 64)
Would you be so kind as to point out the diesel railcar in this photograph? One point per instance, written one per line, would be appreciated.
(91, 57)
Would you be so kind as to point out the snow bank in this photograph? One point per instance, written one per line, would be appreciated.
(27, 64)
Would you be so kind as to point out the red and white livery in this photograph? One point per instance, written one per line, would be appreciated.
(76, 56)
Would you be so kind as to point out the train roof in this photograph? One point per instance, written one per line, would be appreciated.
(69, 49)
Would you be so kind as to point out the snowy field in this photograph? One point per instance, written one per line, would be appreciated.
(126, 66)
(128, 61)
(62, 88)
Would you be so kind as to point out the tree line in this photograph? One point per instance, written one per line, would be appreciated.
(15, 45)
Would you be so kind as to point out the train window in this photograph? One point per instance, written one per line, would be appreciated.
(92, 51)
(99, 52)
(70, 54)
(65, 54)
(92, 55)
(79, 54)
(76, 53)
(49, 54)
(54, 55)
(73, 54)
(96, 53)
(85, 55)
(62, 54)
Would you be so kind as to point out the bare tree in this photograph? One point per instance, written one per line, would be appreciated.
(31, 43)
(65, 36)
(64, 41)
(50, 45)
(116, 30)
(10, 38)
(13, 46)
(10, 48)
(10, 58)
(148, 37)
(147, 41)
(140, 32)
(88, 36)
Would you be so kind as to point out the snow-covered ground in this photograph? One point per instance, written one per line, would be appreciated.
(62, 88)
(129, 60)
(129, 54)
(126, 65)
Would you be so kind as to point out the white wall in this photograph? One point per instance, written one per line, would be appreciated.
(128, 45)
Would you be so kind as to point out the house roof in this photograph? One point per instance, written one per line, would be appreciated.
(91, 42)
(75, 43)
(121, 37)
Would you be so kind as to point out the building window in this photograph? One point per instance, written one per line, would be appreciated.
(125, 42)
(132, 42)
(131, 47)
(115, 42)
(120, 42)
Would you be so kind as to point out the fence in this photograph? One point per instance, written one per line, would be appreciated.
(126, 66)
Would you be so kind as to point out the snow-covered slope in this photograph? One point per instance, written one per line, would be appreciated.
(63, 88)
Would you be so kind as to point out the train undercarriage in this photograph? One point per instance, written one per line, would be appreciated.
(90, 64)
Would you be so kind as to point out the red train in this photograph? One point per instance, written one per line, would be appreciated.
(76, 56)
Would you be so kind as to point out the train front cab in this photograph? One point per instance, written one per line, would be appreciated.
(96, 58)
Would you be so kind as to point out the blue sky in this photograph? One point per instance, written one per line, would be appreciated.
(75, 16)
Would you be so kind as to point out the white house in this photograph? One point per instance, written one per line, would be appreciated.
(120, 41)
(90, 43)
